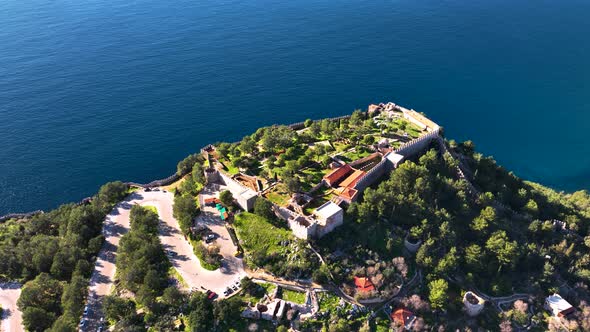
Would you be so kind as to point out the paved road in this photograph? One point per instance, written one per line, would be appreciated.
(115, 226)
(184, 260)
(12, 320)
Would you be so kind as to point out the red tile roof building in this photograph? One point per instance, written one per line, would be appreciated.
(403, 317)
(363, 284)
(337, 175)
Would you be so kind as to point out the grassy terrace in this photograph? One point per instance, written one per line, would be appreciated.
(254, 298)
(328, 301)
(354, 154)
(293, 296)
(258, 234)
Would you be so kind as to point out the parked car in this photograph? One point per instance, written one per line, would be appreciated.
(86, 310)
(212, 295)
(83, 323)
(210, 238)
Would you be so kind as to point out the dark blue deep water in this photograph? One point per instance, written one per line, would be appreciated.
(93, 91)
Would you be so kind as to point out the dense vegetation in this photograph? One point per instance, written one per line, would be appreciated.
(475, 241)
(142, 265)
(53, 253)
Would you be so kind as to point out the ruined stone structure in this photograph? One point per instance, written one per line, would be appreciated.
(473, 304)
(324, 220)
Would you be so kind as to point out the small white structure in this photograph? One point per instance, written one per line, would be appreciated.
(473, 304)
(558, 306)
(328, 216)
(412, 246)
(394, 158)
(246, 199)
(242, 194)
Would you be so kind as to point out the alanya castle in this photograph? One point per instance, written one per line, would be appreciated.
(318, 211)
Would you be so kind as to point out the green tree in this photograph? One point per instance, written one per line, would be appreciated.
(201, 312)
(448, 263)
(263, 208)
(36, 319)
(198, 174)
(65, 323)
(40, 302)
(184, 210)
(110, 194)
(248, 145)
(482, 222)
(474, 257)
(73, 296)
(368, 140)
(226, 310)
(226, 198)
(505, 250)
(173, 297)
(293, 184)
(277, 138)
(186, 165)
(117, 308)
(438, 296)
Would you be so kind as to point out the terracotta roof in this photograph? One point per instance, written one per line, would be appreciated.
(363, 284)
(347, 193)
(403, 317)
(337, 174)
(352, 179)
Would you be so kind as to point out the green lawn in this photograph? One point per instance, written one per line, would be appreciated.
(316, 174)
(356, 154)
(315, 204)
(257, 234)
(278, 198)
(293, 296)
(229, 167)
(328, 301)
(268, 289)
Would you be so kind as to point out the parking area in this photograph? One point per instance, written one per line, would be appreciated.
(231, 267)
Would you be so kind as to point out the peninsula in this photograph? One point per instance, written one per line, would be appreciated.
(372, 221)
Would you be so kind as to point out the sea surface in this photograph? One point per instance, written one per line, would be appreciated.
(93, 91)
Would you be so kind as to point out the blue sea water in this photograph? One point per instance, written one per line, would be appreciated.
(93, 91)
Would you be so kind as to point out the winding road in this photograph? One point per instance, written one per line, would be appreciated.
(180, 251)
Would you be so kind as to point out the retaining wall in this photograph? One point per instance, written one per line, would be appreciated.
(372, 175)
(301, 125)
(407, 149)
(19, 215)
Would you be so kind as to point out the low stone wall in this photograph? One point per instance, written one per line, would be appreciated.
(157, 183)
(301, 125)
(19, 215)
